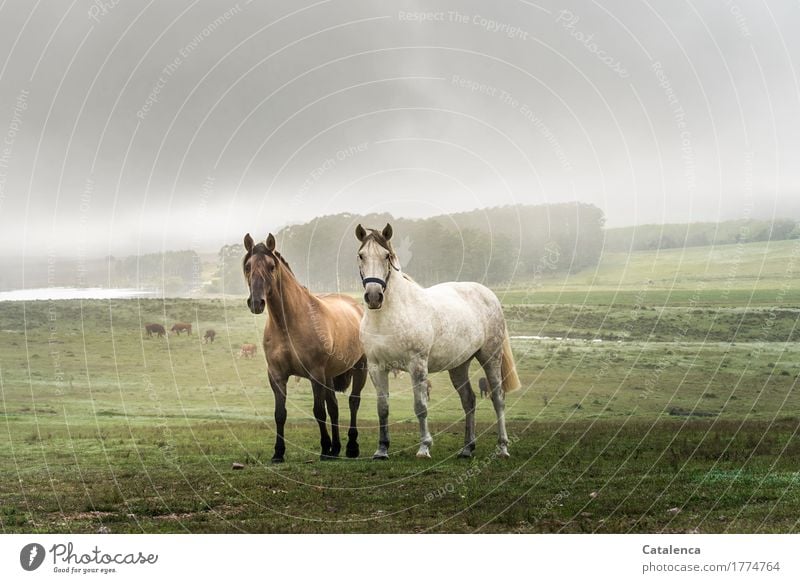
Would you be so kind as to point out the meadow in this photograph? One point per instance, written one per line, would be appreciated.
(659, 395)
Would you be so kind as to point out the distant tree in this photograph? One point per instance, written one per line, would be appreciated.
(156, 270)
(174, 285)
(228, 275)
(697, 240)
(781, 229)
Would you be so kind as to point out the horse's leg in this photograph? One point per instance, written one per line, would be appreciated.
(492, 368)
(380, 378)
(333, 412)
(460, 379)
(419, 377)
(279, 390)
(319, 415)
(359, 380)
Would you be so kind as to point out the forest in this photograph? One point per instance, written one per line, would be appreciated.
(492, 246)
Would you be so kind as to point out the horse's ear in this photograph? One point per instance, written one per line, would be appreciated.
(360, 233)
(270, 242)
(387, 232)
(248, 242)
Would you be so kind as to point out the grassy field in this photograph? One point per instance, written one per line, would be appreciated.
(647, 406)
(754, 274)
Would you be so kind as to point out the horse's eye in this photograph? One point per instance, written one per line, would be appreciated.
(361, 256)
(247, 268)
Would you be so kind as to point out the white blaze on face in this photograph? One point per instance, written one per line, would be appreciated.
(373, 260)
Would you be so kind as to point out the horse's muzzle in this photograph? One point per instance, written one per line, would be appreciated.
(373, 296)
(256, 306)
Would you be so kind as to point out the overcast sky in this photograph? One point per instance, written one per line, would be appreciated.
(132, 126)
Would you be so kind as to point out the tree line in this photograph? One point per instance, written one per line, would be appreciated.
(493, 246)
(174, 272)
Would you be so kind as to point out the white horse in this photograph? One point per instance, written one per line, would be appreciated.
(433, 329)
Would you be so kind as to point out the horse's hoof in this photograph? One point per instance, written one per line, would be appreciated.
(352, 452)
(277, 460)
(326, 457)
(465, 454)
(380, 455)
(502, 453)
(424, 454)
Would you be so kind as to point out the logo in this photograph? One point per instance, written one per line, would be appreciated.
(31, 556)
(404, 252)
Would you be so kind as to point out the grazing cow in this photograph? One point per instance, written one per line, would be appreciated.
(157, 329)
(209, 336)
(181, 327)
(247, 351)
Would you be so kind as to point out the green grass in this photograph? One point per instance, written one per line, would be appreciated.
(752, 274)
(756, 265)
(642, 407)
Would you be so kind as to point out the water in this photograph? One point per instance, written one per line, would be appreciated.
(556, 338)
(74, 293)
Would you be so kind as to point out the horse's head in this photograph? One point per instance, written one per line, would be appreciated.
(260, 267)
(376, 260)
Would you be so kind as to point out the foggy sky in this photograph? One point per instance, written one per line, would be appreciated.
(131, 126)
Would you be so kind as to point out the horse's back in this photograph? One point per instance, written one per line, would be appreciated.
(465, 296)
(466, 316)
(333, 334)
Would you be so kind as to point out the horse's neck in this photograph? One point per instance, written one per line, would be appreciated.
(400, 291)
(290, 303)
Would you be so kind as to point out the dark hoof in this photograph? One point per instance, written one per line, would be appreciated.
(465, 455)
(277, 460)
(352, 452)
(326, 457)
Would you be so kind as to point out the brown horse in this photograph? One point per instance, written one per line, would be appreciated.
(157, 329)
(310, 336)
(182, 327)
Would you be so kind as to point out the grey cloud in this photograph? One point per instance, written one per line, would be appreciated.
(184, 124)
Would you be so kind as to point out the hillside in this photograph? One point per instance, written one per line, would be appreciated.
(762, 264)
(678, 235)
(765, 274)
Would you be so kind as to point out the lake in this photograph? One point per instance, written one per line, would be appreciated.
(74, 293)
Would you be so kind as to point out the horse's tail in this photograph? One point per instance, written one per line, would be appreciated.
(508, 368)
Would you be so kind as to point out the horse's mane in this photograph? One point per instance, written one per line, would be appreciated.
(262, 248)
(378, 237)
(282, 260)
